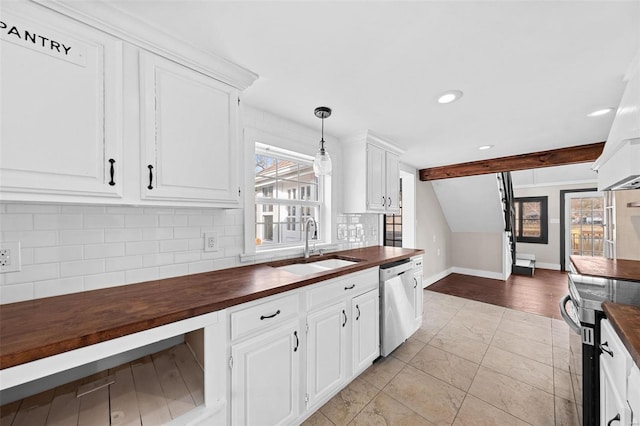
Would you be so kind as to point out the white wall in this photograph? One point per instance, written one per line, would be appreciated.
(477, 253)
(432, 233)
(627, 225)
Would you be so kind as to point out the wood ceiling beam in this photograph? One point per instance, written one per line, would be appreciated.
(534, 160)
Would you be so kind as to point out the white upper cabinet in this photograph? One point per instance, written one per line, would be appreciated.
(372, 173)
(61, 133)
(189, 132)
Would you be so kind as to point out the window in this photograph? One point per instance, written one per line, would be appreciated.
(531, 220)
(287, 192)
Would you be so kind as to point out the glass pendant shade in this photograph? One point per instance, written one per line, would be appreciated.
(322, 163)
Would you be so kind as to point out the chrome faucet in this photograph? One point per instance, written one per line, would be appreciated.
(307, 223)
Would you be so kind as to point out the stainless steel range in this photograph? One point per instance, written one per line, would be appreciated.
(582, 310)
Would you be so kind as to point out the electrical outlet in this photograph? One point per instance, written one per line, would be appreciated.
(210, 241)
(10, 256)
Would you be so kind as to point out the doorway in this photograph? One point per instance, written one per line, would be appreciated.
(584, 224)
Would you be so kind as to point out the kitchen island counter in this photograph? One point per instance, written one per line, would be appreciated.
(618, 269)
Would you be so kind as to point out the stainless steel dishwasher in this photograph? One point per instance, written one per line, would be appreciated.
(397, 305)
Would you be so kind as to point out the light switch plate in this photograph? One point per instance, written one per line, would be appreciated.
(10, 256)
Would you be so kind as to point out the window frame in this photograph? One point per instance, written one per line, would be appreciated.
(544, 220)
(300, 158)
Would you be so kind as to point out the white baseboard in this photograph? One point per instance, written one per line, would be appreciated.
(554, 266)
(478, 273)
(427, 281)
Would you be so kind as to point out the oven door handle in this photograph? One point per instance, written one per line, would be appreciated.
(565, 315)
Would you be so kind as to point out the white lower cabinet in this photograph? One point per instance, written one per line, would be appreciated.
(291, 353)
(616, 397)
(366, 330)
(265, 377)
(326, 350)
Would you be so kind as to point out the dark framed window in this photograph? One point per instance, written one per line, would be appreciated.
(393, 226)
(532, 225)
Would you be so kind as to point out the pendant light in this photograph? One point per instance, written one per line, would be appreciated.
(322, 162)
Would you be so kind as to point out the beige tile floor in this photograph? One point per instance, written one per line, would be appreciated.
(470, 363)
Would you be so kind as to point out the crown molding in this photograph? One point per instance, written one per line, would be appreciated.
(108, 18)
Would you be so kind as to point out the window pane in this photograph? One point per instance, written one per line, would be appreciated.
(531, 219)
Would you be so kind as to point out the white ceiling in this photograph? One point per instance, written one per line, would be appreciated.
(530, 70)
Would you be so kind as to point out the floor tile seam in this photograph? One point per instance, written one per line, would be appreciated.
(520, 380)
(405, 405)
(450, 384)
(527, 324)
(533, 340)
(365, 405)
(455, 354)
(498, 408)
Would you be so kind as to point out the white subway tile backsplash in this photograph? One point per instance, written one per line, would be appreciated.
(141, 275)
(157, 233)
(82, 267)
(186, 256)
(123, 263)
(174, 245)
(187, 232)
(58, 287)
(158, 210)
(57, 221)
(126, 210)
(141, 247)
(115, 235)
(81, 236)
(31, 238)
(16, 293)
(16, 222)
(157, 259)
(57, 254)
(200, 221)
(201, 266)
(30, 273)
(110, 279)
(141, 221)
(100, 251)
(233, 230)
(83, 209)
(26, 256)
(170, 271)
(176, 220)
(104, 221)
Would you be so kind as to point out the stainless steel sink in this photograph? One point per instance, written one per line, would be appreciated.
(315, 267)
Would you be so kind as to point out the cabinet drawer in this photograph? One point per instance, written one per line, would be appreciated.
(264, 315)
(614, 356)
(349, 285)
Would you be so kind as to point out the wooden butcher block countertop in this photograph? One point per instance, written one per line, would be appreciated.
(626, 322)
(39, 328)
(619, 269)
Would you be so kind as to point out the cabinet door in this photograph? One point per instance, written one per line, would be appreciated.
(366, 330)
(190, 152)
(376, 179)
(612, 404)
(393, 182)
(326, 356)
(61, 107)
(265, 378)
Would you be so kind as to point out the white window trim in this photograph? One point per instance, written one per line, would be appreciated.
(297, 151)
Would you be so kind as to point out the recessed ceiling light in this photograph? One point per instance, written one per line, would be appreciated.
(600, 112)
(484, 147)
(449, 96)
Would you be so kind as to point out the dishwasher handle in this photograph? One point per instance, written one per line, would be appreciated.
(565, 315)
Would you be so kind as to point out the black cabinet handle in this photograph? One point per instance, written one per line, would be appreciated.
(358, 316)
(389, 202)
(112, 171)
(345, 318)
(384, 202)
(351, 287)
(150, 176)
(263, 317)
(604, 347)
(295, 334)
(615, 419)
(416, 282)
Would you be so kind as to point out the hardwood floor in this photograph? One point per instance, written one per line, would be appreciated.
(539, 294)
